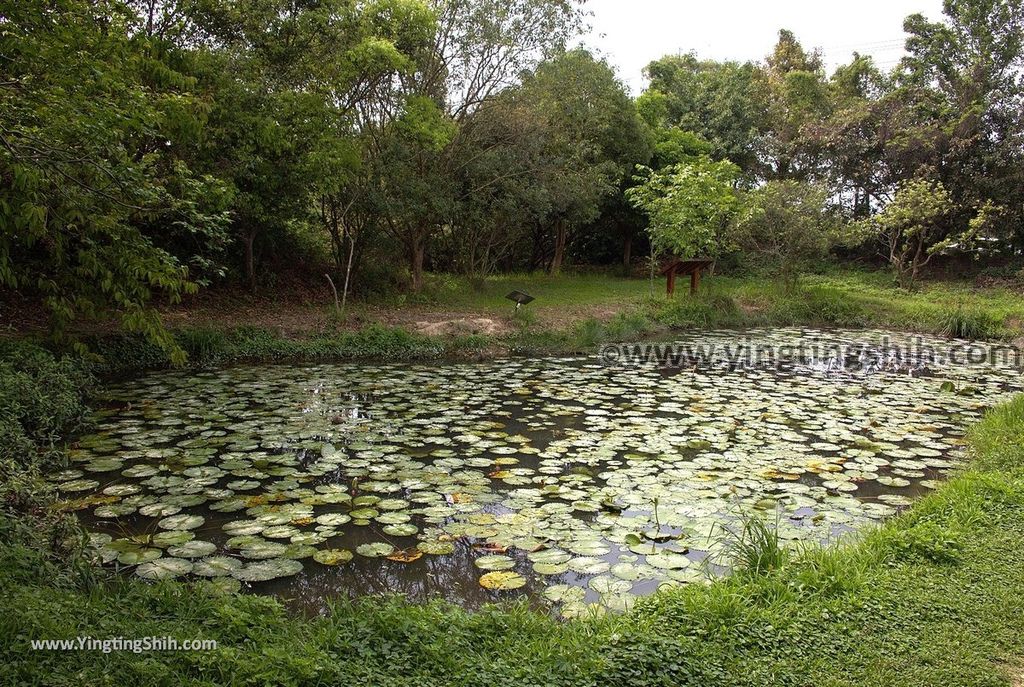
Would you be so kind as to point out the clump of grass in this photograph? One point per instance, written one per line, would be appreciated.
(754, 547)
(203, 345)
(817, 305)
(622, 327)
(524, 318)
(924, 541)
(960, 323)
(703, 310)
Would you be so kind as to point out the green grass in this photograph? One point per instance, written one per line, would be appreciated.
(934, 597)
(839, 298)
(552, 293)
(574, 314)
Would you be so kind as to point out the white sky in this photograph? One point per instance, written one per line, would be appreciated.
(632, 33)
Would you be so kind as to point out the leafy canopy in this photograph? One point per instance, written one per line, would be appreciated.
(689, 206)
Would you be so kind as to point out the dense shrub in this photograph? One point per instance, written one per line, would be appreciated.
(41, 400)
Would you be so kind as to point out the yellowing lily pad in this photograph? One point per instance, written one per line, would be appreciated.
(502, 580)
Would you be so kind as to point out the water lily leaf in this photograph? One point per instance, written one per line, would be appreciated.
(220, 585)
(78, 485)
(375, 550)
(494, 563)
(502, 580)
(159, 510)
(588, 565)
(181, 522)
(261, 550)
(216, 566)
(164, 569)
(564, 593)
(334, 519)
(401, 530)
(667, 560)
(192, 549)
(332, 556)
(406, 555)
(272, 569)
(436, 548)
(138, 555)
(550, 568)
(609, 585)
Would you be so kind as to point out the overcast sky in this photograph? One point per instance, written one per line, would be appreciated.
(631, 33)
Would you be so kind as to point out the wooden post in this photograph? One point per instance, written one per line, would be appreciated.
(671, 286)
(694, 280)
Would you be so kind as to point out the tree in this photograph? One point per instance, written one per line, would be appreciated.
(593, 139)
(793, 94)
(918, 224)
(972, 65)
(688, 206)
(715, 101)
(286, 79)
(481, 48)
(91, 123)
(785, 224)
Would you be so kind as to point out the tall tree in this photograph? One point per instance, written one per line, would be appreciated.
(594, 138)
(90, 125)
(716, 101)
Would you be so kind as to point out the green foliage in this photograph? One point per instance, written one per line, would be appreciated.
(41, 401)
(90, 135)
(708, 309)
(910, 226)
(689, 206)
(592, 139)
(925, 542)
(714, 101)
(786, 225)
(961, 323)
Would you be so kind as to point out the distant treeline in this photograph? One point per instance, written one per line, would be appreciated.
(149, 148)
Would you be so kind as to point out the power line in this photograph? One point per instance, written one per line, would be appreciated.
(893, 42)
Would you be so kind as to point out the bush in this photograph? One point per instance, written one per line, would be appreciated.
(42, 399)
(818, 305)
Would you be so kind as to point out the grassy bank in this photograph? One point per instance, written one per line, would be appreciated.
(935, 597)
(572, 314)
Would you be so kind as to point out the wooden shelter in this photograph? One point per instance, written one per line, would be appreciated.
(678, 266)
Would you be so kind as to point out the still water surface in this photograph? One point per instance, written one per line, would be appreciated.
(575, 483)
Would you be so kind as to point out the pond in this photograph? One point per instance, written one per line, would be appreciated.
(577, 482)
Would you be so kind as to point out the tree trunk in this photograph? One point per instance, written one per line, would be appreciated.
(416, 254)
(348, 269)
(250, 264)
(560, 241)
(627, 255)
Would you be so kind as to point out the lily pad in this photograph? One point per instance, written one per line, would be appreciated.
(375, 550)
(192, 549)
(272, 569)
(502, 580)
(216, 566)
(332, 556)
(164, 569)
(181, 522)
(494, 563)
